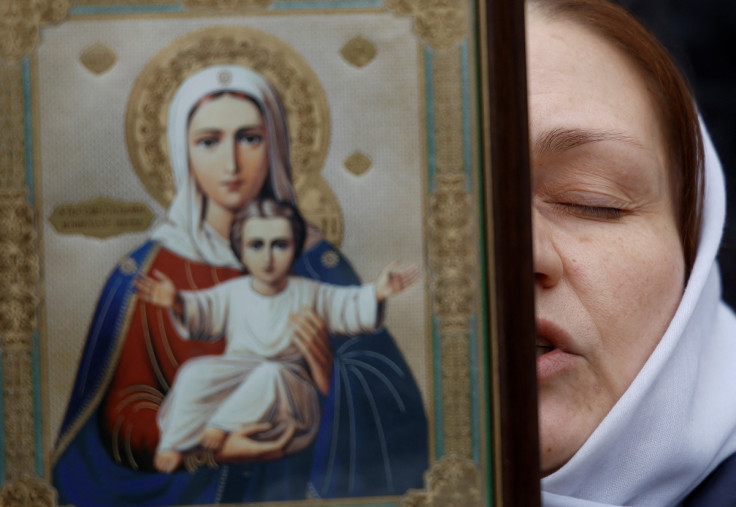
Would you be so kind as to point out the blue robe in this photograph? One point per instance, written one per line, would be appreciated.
(372, 439)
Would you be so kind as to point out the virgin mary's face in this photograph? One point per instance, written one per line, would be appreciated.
(607, 255)
(228, 152)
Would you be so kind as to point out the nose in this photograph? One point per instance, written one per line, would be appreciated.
(548, 265)
(269, 257)
(230, 163)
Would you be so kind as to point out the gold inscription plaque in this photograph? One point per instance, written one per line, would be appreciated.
(101, 218)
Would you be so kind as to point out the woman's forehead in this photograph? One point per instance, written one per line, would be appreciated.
(580, 82)
(226, 110)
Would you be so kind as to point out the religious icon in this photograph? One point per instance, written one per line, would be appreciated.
(212, 183)
(195, 372)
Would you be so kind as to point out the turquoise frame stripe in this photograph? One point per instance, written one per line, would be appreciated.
(35, 338)
(431, 170)
(277, 6)
(467, 144)
(429, 118)
(468, 167)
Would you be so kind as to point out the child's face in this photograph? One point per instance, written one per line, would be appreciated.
(268, 249)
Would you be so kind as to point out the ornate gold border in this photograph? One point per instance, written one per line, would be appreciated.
(442, 24)
(452, 254)
(19, 278)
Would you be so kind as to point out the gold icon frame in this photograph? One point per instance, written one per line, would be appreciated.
(456, 237)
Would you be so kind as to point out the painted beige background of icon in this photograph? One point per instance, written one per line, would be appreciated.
(83, 153)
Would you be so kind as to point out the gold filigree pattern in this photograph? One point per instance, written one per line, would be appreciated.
(20, 22)
(12, 139)
(448, 106)
(330, 259)
(451, 482)
(128, 265)
(227, 5)
(98, 58)
(304, 102)
(117, 3)
(27, 491)
(358, 163)
(439, 23)
(452, 256)
(358, 51)
(319, 205)
(19, 276)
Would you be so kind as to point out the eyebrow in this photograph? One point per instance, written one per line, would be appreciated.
(563, 139)
(239, 129)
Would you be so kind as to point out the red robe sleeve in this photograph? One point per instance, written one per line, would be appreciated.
(151, 353)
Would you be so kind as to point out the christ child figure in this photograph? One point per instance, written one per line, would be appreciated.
(263, 377)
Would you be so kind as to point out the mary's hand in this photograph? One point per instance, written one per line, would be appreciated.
(239, 447)
(309, 334)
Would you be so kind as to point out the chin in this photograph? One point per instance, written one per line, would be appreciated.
(561, 434)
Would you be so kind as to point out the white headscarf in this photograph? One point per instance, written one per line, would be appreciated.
(185, 231)
(677, 420)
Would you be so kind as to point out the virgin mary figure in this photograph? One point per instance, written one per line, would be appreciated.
(372, 439)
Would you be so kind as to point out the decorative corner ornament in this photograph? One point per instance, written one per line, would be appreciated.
(26, 491)
(358, 51)
(440, 23)
(358, 163)
(98, 58)
(20, 22)
(451, 482)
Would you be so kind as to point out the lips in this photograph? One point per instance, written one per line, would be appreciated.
(232, 184)
(554, 354)
(543, 349)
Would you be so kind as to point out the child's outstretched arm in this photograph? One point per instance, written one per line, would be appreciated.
(160, 291)
(392, 280)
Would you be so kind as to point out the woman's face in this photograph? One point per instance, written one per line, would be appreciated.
(607, 256)
(228, 152)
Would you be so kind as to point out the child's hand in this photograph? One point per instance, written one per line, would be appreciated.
(391, 281)
(161, 292)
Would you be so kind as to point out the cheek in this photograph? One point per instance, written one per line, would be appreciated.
(201, 167)
(204, 167)
(254, 160)
(285, 257)
(249, 259)
(631, 292)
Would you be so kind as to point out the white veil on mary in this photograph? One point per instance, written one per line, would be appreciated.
(185, 232)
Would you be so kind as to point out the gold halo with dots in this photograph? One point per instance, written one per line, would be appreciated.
(304, 101)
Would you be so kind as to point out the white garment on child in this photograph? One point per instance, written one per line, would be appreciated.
(262, 376)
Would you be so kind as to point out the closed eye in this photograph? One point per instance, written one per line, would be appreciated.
(595, 212)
